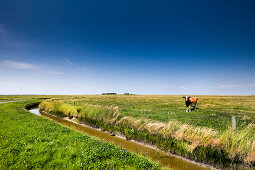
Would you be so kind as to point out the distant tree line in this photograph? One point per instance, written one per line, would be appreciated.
(116, 94)
(109, 93)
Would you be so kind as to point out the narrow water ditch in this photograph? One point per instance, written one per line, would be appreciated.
(164, 159)
(10, 101)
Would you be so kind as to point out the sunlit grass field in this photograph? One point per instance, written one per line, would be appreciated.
(28, 141)
(213, 111)
(140, 116)
(158, 118)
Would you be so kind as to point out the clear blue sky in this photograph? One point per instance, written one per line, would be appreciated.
(144, 47)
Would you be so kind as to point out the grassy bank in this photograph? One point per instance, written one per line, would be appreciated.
(29, 141)
(203, 135)
(4, 98)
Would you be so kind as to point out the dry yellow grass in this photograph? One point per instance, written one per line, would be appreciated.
(167, 117)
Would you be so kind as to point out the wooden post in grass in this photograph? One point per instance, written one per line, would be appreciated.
(234, 122)
(73, 103)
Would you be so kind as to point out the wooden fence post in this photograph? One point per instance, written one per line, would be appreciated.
(73, 103)
(234, 122)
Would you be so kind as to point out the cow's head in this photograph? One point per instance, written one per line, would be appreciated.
(186, 98)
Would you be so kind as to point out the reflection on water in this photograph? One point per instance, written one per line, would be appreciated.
(164, 159)
(35, 111)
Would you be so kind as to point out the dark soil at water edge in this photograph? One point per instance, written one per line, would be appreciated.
(32, 105)
(32, 142)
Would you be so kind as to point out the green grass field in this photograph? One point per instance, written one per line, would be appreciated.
(213, 111)
(159, 120)
(28, 141)
(209, 125)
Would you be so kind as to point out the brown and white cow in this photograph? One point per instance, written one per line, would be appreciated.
(190, 101)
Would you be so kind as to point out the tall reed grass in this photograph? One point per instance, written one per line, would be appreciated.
(238, 144)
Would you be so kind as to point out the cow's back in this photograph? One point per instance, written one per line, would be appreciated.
(193, 100)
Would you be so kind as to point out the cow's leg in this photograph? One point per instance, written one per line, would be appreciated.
(187, 109)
